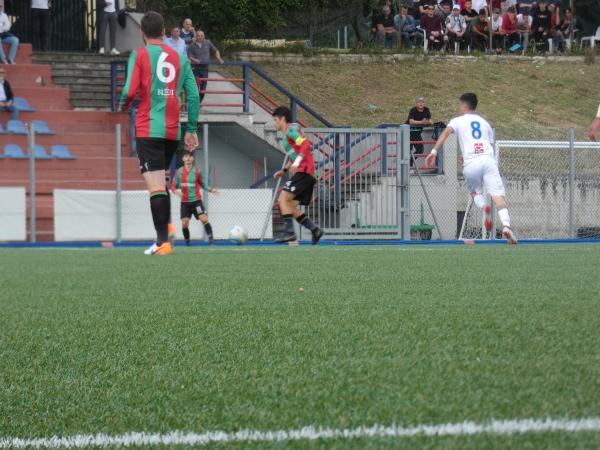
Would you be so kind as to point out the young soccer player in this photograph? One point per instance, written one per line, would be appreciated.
(298, 189)
(159, 74)
(480, 167)
(187, 184)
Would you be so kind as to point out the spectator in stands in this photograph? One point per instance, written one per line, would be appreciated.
(468, 13)
(414, 9)
(524, 21)
(525, 6)
(479, 32)
(6, 37)
(199, 53)
(109, 20)
(175, 41)
(434, 30)
(567, 27)
(7, 97)
(456, 27)
(542, 22)
(443, 10)
(406, 26)
(478, 5)
(385, 29)
(418, 117)
(510, 27)
(188, 34)
(40, 24)
(497, 33)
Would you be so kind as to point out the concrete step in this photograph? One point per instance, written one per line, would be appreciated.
(91, 95)
(82, 81)
(23, 54)
(92, 104)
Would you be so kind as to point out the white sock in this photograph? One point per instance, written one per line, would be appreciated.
(479, 201)
(504, 217)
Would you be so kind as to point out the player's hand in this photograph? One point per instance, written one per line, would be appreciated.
(191, 141)
(278, 174)
(214, 191)
(178, 192)
(430, 161)
(221, 61)
(293, 170)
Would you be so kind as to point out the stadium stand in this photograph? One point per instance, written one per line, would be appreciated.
(23, 105)
(80, 153)
(40, 152)
(15, 126)
(41, 127)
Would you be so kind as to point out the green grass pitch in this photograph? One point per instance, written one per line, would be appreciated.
(224, 339)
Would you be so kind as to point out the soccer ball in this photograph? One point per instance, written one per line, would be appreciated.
(238, 235)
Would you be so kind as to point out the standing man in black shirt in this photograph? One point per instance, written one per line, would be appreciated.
(418, 117)
(199, 53)
(541, 24)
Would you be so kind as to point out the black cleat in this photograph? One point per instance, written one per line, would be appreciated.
(211, 241)
(316, 236)
(287, 237)
(187, 242)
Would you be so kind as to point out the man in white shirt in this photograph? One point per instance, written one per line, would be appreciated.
(6, 37)
(40, 24)
(480, 167)
(524, 22)
(7, 96)
(109, 19)
(594, 127)
(175, 41)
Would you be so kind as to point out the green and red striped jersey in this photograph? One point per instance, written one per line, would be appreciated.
(190, 182)
(296, 144)
(157, 74)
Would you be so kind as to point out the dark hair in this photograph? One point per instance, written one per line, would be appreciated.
(511, 9)
(188, 153)
(470, 99)
(283, 111)
(153, 25)
(568, 8)
(483, 12)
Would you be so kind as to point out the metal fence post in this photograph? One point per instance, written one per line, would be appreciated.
(572, 221)
(384, 153)
(32, 180)
(206, 168)
(246, 94)
(403, 181)
(118, 176)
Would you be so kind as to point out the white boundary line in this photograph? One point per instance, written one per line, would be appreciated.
(499, 427)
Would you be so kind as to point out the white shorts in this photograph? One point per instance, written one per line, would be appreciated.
(483, 174)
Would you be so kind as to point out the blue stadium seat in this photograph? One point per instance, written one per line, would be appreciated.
(16, 127)
(2, 130)
(61, 152)
(14, 151)
(41, 127)
(23, 105)
(40, 152)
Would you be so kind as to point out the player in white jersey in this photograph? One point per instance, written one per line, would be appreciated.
(480, 167)
(595, 127)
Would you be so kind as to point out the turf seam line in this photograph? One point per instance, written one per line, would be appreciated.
(467, 428)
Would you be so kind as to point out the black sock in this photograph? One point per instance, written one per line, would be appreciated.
(168, 202)
(306, 222)
(186, 234)
(288, 220)
(159, 205)
(208, 229)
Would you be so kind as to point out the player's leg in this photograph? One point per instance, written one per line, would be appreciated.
(304, 189)
(170, 149)
(151, 156)
(473, 174)
(287, 206)
(203, 217)
(185, 228)
(494, 185)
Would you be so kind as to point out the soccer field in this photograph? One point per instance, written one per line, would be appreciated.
(280, 338)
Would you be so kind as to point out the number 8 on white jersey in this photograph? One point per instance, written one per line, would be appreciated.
(475, 136)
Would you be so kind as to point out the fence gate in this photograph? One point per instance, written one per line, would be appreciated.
(362, 182)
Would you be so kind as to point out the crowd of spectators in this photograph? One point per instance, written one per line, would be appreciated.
(500, 26)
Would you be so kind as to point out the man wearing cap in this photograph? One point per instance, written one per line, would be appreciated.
(418, 117)
(456, 26)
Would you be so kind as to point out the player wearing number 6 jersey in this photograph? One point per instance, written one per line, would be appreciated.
(157, 74)
(480, 167)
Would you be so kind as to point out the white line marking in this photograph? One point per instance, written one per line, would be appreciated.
(500, 427)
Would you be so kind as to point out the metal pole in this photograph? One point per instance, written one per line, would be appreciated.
(266, 173)
(572, 222)
(206, 168)
(270, 210)
(338, 39)
(403, 181)
(118, 163)
(32, 191)
(346, 37)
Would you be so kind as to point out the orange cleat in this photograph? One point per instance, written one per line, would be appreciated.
(161, 250)
(172, 231)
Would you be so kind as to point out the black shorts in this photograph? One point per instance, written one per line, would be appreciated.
(301, 186)
(195, 209)
(155, 154)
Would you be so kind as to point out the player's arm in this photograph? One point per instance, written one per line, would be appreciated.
(430, 160)
(132, 83)
(193, 100)
(176, 185)
(594, 127)
(204, 186)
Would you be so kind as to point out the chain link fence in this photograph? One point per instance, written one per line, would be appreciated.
(366, 189)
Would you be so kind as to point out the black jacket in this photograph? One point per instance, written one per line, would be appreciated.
(8, 91)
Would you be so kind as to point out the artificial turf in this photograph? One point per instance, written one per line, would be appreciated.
(111, 341)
